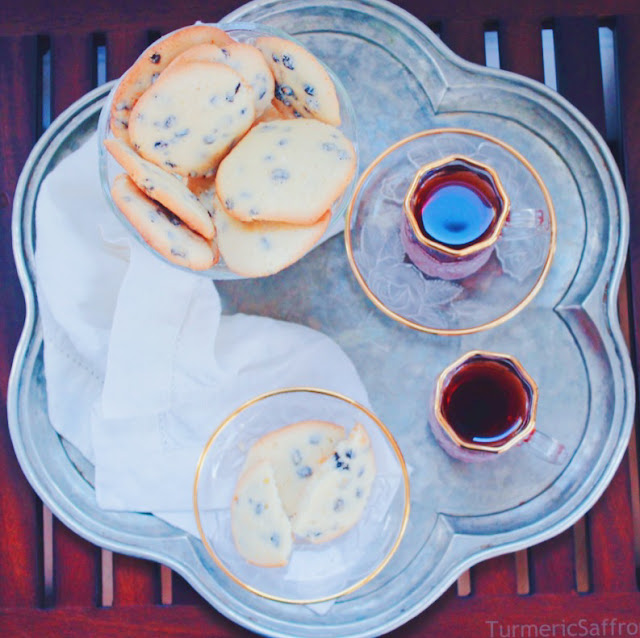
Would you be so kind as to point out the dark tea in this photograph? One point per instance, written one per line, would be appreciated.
(456, 205)
(486, 402)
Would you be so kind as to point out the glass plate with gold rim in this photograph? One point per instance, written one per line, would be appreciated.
(315, 572)
(500, 288)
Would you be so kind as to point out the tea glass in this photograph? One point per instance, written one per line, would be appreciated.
(485, 404)
(454, 212)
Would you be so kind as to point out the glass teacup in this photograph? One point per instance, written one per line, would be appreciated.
(454, 212)
(484, 404)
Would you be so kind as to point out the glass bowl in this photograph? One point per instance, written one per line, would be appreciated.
(315, 572)
(508, 279)
(242, 32)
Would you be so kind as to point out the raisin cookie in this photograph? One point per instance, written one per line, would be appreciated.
(191, 116)
(295, 452)
(259, 525)
(258, 249)
(165, 188)
(335, 498)
(160, 228)
(150, 64)
(297, 168)
(303, 86)
(243, 58)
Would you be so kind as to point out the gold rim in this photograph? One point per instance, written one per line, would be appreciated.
(476, 246)
(494, 356)
(390, 440)
(453, 331)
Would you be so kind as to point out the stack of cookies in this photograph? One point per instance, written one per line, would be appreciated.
(307, 481)
(229, 150)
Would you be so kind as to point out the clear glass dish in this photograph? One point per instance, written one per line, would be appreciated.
(492, 294)
(242, 32)
(315, 572)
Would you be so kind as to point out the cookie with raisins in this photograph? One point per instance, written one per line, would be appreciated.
(146, 69)
(164, 187)
(191, 116)
(287, 171)
(161, 229)
(303, 86)
(243, 58)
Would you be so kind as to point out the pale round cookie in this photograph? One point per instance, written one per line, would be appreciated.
(160, 228)
(163, 187)
(335, 498)
(295, 452)
(243, 58)
(288, 170)
(258, 249)
(259, 525)
(303, 86)
(191, 116)
(146, 69)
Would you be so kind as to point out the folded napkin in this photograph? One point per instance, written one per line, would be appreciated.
(140, 364)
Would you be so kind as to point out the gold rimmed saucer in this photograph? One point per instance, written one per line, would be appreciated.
(490, 296)
(316, 573)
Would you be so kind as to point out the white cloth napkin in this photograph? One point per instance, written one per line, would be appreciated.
(140, 365)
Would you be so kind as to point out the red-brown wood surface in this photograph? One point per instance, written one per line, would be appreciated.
(521, 47)
(628, 33)
(611, 547)
(19, 508)
(123, 48)
(35, 16)
(596, 556)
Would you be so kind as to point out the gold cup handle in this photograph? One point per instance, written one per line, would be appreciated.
(547, 448)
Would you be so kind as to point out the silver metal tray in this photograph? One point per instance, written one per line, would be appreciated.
(402, 80)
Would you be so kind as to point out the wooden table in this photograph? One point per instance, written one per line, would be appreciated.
(53, 582)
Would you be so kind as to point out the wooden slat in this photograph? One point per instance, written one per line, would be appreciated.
(466, 38)
(134, 581)
(166, 585)
(76, 568)
(521, 48)
(523, 583)
(581, 556)
(48, 585)
(20, 576)
(611, 536)
(552, 565)
(579, 79)
(610, 525)
(75, 560)
(578, 68)
(106, 578)
(628, 41)
(463, 584)
(495, 576)
(123, 48)
(626, 325)
(72, 69)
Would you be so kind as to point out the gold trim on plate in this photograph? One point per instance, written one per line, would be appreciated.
(390, 440)
(452, 331)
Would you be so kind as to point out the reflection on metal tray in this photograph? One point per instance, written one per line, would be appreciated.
(402, 80)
